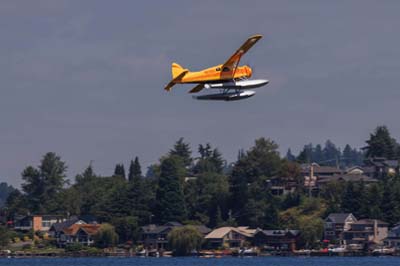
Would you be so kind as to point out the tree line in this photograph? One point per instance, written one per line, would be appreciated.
(204, 189)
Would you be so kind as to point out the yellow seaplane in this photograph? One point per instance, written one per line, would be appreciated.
(231, 79)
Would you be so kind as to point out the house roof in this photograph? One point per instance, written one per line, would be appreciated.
(392, 163)
(354, 168)
(202, 229)
(339, 218)
(320, 170)
(90, 229)
(173, 224)
(58, 227)
(157, 229)
(280, 232)
(222, 231)
(348, 177)
(370, 222)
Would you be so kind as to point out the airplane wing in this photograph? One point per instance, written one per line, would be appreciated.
(233, 61)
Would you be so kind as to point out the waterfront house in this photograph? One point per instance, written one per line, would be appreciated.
(229, 237)
(155, 236)
(393, 239)
(365, 232)
(336, 223)
(57, 228)
(277, 240)
(78, 233)
(41, 223)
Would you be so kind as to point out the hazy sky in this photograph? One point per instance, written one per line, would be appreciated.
(85, 78)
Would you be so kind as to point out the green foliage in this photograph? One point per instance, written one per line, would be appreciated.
(249, 191)
(307, 218)
(210, 160)
(183, 240)
(5, 191)
(119, 171)
(203, 191)
(205, 195)
(135, 171)
(74, 247)
(170, 197)
(330, 154)
(182, 150)
(5, 236)
(42, 185)
(17, 203)
(381, 144)
(126, 227)
(106, 237)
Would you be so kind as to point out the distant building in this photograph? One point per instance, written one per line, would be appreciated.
(36, 223)
(393, 239)
(229, 237)
(57, 229)
(318, 172)
(366, 232)
(282, 185)
(336, 223)
(155, 236)
(278, 240)
(347, 178)
(379, 167)
(355, 170)
(78, 233)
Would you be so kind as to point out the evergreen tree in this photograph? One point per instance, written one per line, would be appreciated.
(331, 153)
(249, 180)
(119, 171)
(352, 199)
(5, 190)
(170, 198)
(381, 144)
(210, 160)
(318, 154)
(43, 184)
(182, 150)
(135, 170)
(348, 155)
(289, 156)
(306, 155)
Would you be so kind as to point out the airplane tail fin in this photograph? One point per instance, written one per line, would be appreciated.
(177, 73)
(176, 70)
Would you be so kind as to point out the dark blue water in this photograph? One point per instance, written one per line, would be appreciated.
(260, 261)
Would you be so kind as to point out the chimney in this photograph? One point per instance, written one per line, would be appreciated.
(375, 230)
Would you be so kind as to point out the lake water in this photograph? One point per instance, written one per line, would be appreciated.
(229, 261)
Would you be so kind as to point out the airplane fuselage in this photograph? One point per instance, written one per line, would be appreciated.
(215, 74)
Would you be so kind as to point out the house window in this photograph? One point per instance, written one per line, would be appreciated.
(46, 223)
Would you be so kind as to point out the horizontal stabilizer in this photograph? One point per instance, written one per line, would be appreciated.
(173, 82)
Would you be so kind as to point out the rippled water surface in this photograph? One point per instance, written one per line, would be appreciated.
(260, 261)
